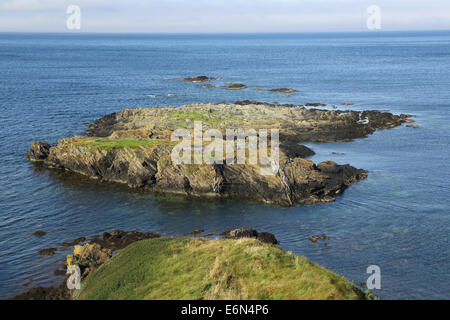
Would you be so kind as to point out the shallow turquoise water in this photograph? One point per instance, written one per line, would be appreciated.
(399, 218)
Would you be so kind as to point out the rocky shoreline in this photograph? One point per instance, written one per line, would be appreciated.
(134, 147)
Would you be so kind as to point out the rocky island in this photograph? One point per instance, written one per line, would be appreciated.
(134, 147)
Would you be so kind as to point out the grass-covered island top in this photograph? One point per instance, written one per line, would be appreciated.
(194, 268)
(134, 146)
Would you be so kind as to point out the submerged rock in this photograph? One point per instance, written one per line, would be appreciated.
(200, 79)
(285, 90)
(315, 104)
(73, 242)
(197, 232)
(47, 251)
(315, 239)
(39, 233)
(134, 147)
(119, 239)
(236, 86)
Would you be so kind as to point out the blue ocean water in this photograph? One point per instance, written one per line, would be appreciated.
(52, 85)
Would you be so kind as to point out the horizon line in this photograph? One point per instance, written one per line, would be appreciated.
(220, 33)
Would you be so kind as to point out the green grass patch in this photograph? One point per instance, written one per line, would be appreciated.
(108, 144)
(192, 268)
(179, 117)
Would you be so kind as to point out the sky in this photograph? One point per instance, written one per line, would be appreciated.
(218, 16)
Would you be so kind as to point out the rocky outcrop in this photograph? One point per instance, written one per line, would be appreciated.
(236, 86)
(119, 239)
(200, 79)
(39, 151)
(88, 257)
(284, 90)
(134, 147)
(264, 237)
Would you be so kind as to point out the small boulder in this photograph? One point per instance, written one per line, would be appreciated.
(285, 90)
(73, 242)
(39, 151)
(236, 86)
(48, 251)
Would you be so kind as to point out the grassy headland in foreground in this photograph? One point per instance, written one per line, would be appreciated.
(195, 268)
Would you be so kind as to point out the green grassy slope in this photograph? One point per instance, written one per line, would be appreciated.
(192, 268)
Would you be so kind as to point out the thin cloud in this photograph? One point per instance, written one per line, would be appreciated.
(156, 16)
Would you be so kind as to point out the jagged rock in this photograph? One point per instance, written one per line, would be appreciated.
(39, 151)
(59, 292)
(133, 147)
(88, 257)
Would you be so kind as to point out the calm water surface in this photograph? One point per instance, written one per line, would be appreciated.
(51, 86)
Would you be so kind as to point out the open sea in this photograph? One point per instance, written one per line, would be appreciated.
(52, 85)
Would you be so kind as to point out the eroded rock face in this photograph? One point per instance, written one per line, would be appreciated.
(88, 257)
(39, 151)
(134, 147)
